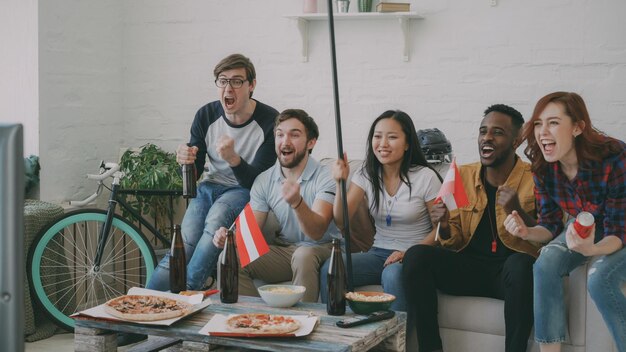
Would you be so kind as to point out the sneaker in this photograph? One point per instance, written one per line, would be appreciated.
(210, 282)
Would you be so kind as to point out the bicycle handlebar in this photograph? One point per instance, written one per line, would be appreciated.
(110, 168)
(107, 170)
(82, 203)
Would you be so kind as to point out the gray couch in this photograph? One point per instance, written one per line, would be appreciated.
(476, 324)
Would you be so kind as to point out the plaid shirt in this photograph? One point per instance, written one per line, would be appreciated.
(598, 188)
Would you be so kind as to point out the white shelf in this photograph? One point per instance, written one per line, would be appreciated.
(403, 19)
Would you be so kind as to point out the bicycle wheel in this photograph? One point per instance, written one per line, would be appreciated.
(60, 263)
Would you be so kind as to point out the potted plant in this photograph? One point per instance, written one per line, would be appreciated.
(150, 167)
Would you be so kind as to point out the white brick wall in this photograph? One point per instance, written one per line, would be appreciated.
(18, 69)
(119, 73)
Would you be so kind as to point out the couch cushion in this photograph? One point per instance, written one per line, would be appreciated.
(478, 314)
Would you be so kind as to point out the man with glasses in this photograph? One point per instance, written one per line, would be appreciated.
(236, 133)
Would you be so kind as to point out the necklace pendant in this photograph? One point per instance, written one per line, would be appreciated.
(388, 219)
(493, 246)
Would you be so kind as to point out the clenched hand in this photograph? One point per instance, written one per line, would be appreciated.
(219, 238)
(225, 148)
(185, 154)
(291, 193)
(516, 226)
(507, 199)
(439, 213)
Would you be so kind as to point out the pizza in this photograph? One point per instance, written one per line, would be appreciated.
(190, 293)
(146, 308)
(262, 324)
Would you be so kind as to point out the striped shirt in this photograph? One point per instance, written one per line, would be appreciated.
(598, 188)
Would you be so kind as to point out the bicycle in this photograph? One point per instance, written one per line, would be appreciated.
(89, 256)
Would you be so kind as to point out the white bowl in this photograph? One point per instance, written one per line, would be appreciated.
(281, 296)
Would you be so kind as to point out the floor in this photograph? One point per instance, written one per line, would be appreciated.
(56, 343)
(62, 343)
(65, 343)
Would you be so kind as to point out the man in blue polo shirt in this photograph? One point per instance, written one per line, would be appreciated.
(301, 192)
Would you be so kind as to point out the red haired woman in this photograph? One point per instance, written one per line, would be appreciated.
(576, 168)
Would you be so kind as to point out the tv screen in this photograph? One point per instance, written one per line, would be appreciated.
(11, 238)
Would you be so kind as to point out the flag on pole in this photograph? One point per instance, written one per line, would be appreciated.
(249, 238)
(452, 192)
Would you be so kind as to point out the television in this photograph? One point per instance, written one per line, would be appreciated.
(11, 238)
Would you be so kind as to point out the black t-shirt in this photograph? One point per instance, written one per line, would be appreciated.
(481, 243)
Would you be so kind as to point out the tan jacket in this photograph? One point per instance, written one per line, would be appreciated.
(464, 221)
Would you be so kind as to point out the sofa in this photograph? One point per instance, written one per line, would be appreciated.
(476, 324)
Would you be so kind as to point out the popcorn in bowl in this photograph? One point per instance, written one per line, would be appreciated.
(368, 302)
(281, 296)
(285, 289)
(370, 297)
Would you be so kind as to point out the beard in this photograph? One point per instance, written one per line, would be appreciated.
(295, 161)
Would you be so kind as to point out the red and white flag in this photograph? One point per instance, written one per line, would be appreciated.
(452, 192)
(249, 238)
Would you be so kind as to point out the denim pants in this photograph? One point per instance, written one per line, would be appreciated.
(604, 282)
(368, 269)
(215, 206)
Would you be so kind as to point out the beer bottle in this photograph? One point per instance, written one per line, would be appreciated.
(336, 279)
(178, 263)
(189, 179)
(229, 271)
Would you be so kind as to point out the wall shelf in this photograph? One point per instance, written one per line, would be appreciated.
(403, 18)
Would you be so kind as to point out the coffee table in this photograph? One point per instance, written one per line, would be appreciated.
(92, 335)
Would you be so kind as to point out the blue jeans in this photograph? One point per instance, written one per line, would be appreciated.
(604, 282)
(367, 269)
(215, 206)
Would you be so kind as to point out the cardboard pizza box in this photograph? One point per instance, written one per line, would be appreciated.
(196, 301)
(217, 327)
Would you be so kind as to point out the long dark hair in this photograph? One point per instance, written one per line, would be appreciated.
(413, 156)
(591, 144)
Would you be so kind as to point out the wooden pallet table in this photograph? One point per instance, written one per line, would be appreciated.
(93, 335)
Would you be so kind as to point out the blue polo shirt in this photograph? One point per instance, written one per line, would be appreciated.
(315, 183)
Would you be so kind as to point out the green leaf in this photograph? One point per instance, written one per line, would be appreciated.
(150, 167)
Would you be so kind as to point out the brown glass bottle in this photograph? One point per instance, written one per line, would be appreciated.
(336, 279)
(229, 271)
(189, 179)
(178, 262)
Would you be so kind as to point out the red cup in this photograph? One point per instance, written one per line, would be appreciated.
(584, 223)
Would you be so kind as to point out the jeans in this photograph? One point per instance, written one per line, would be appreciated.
(367, 269)
(428, 269)
(604, 282)
(215, 206)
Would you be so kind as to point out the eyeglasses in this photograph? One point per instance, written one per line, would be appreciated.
(234, 82)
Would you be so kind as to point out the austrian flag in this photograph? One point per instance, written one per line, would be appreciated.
(249, 238)
(452, 192)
